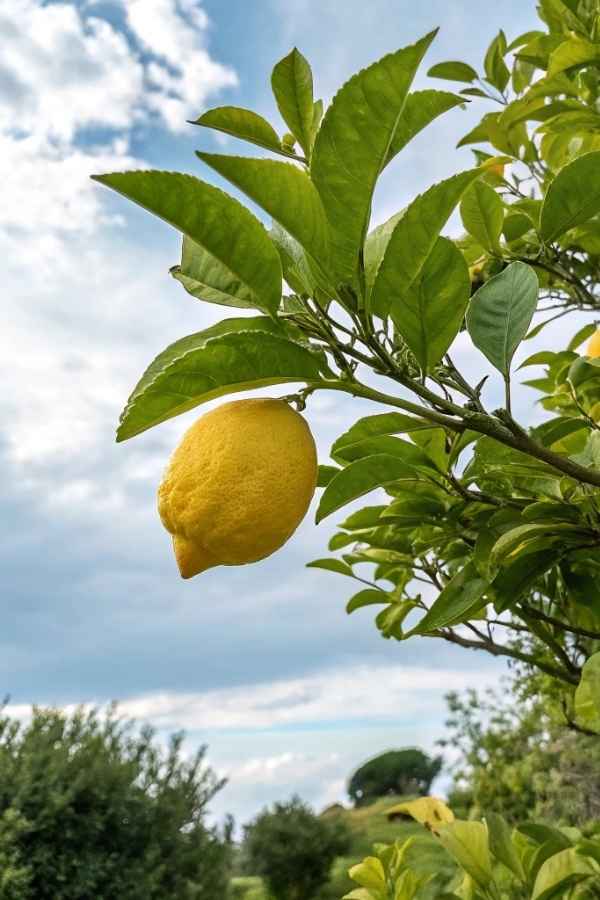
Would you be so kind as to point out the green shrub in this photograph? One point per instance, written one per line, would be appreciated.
(89, 807)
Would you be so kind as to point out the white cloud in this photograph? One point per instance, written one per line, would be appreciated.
(355, 696)
(173, 31)
(73, 302)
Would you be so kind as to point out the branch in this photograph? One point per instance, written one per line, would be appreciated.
(499, 650)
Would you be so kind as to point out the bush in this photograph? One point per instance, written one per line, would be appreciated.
(91, 808)
(293, 849)
(407, 771)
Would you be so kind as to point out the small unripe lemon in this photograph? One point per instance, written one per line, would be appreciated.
(593, 347)
(238, 485)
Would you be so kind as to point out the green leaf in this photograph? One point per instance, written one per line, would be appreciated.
(285, 192)
(204, 277)
(363, 518)
(496, 70)
(467, 842)
(420, 109)
(212, 219)
(500, 313)
(331, 565)
(461, 596)
(373, 426)
(453, 71)
(387, 444)
(482, 214)
(573, 197)
(562, 870)
(360, 478)
(369, 873)
(292, 84)
(243, 124)
(352, 148)
(325, 474)
(573, 52)
(294, 261)
(501, 845)
(375, 247)
(510, 542)
(368, 597)
(587, 695)
(234, 355)
(430, 313)
(413, 239)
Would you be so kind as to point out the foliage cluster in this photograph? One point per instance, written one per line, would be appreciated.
(489, 535)
(518, 760)
(89, 807)
(293, 849)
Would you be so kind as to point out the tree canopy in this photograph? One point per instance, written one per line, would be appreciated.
(408, 771)
(92, 807)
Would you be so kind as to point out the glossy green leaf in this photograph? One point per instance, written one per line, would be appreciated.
(382, 423)
(292, 84)
(331, 565)
(413, 239)
(511, 541)
(296, 267)
(575, 51)
(363, 518)
(421, 108)
(368, 597)
(453, 71)
(587, 695)
(500, 313)
(325, 474)
(204, 277)
(501, 845)
(217, 361)
(243, 124)
(285, 192)
(496, 70)
(383, 444)
(358, 479)
(573, 197)
(375, 247)
(430, 313)
(561, 871)
(482, 214)
(460, 597)
(352, 147)
(467, 842)
(212, 219)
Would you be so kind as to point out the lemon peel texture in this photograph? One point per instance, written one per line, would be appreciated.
(238, 485)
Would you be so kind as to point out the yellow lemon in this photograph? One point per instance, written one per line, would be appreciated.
(238, 485)
(593, 347)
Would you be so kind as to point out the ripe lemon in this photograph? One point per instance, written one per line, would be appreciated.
(238, 485)
(593, 347)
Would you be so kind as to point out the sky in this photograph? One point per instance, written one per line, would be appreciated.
(260, 662)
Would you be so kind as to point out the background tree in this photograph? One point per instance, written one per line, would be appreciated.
(293, 849)
(517, 759)
(90, 807)
(408, 771)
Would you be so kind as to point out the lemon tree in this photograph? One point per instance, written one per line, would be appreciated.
(489, 535)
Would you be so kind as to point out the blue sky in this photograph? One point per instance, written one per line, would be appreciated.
(261, 662)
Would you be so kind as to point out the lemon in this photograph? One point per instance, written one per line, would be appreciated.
(593, 347)
(238, 485)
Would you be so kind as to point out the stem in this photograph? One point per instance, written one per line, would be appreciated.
(557, 623)
(507, 401)
(498, 650)
(512, 436)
